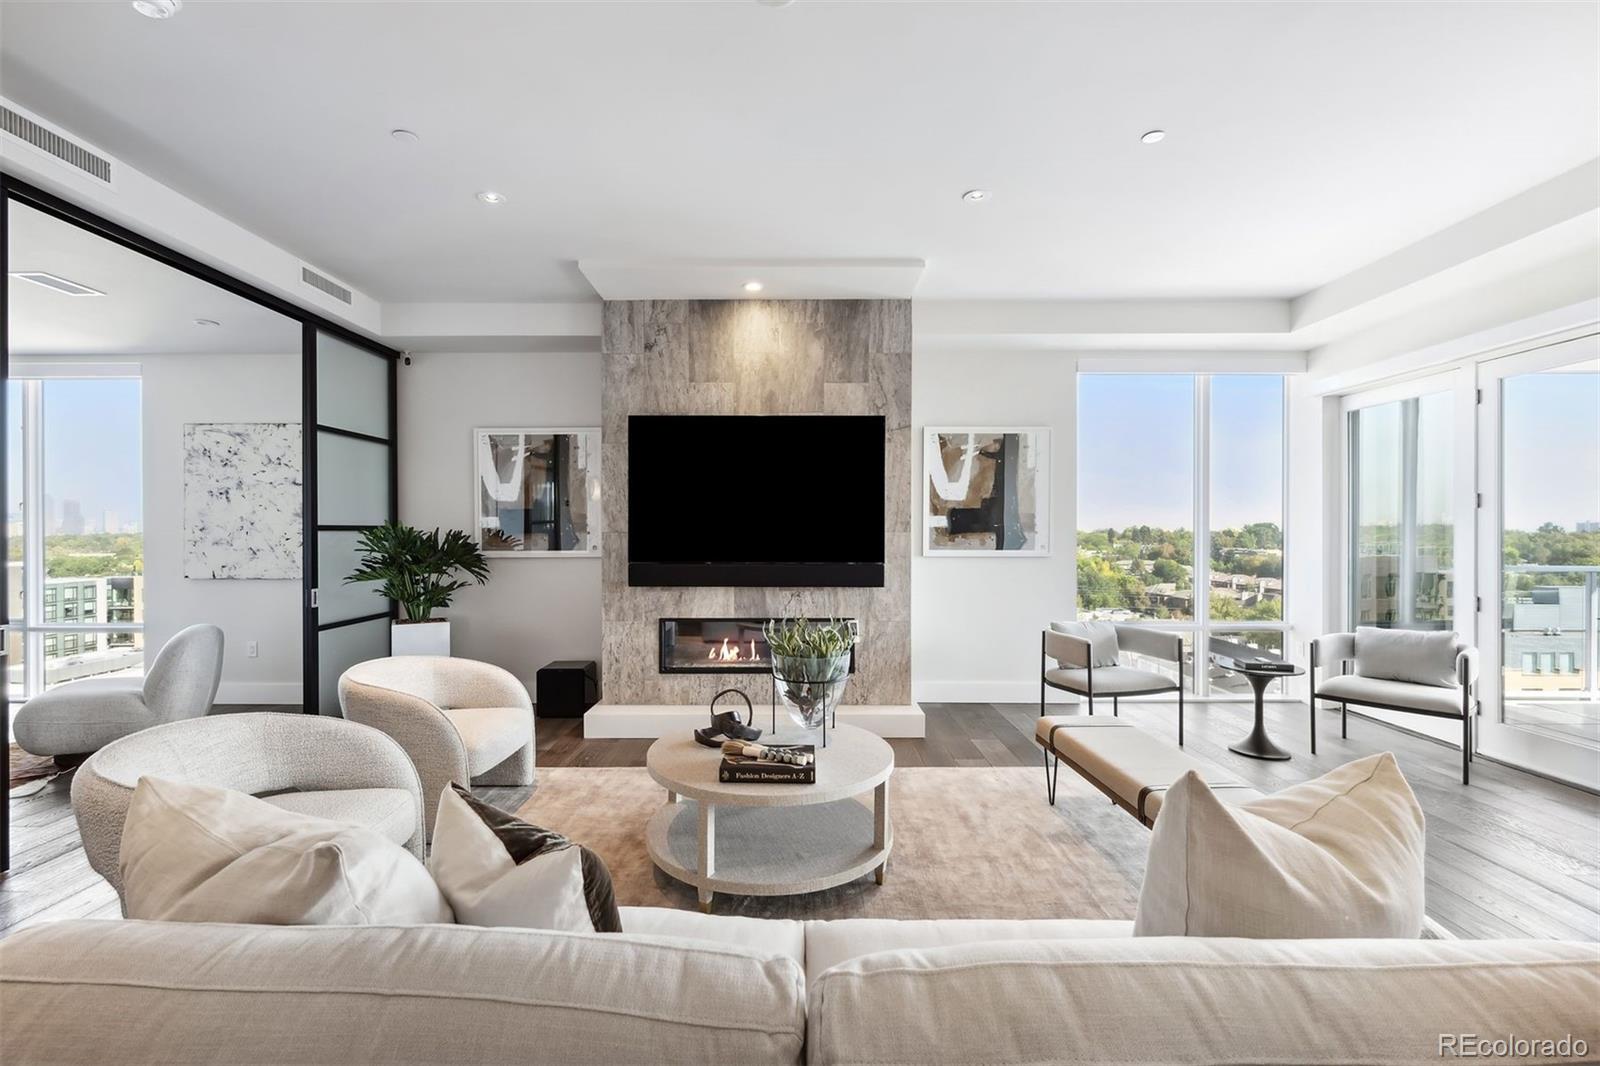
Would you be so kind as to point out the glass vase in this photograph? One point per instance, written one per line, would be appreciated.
(811, 689)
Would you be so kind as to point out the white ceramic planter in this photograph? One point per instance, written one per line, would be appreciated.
(420, 638)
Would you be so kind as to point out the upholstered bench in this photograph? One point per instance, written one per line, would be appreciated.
(1130, 766)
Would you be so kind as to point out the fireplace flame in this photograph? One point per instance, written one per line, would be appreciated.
(731, 653)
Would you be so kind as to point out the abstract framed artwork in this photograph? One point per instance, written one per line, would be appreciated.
(986, 491)
(242, 501)
(536, 492)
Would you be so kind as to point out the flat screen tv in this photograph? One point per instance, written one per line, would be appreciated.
(755, 500)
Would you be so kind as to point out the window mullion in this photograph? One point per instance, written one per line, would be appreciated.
(33, 536)
(1202, 533)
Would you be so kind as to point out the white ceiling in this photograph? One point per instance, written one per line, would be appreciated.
(147, 307)
(1304, 139)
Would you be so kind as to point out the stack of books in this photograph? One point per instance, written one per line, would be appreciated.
(748, 769)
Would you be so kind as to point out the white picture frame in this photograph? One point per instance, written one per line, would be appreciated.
(946, 484)
(503, 460)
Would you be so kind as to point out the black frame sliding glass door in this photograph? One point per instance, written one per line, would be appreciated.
(330, 407)
(351, 485)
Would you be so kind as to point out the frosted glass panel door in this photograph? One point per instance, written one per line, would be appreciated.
(352, 489)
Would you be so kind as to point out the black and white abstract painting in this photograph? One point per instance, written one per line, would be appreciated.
(537, 492)
(242, 501)
(986, 490)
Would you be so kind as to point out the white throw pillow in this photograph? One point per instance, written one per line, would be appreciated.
(1422, 657)
(498, 870)
(195, 853)
(1102, 638)
(1340, 856)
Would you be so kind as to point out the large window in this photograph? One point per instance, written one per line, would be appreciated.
(75, 524)
(1180, 510)
(1402, 532)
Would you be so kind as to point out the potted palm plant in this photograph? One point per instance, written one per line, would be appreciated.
(419, 571)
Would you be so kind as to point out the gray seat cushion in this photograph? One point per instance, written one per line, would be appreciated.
(82, 716)
(390, 812)
(1137, 767)
(1111, 680)
(1356, 689)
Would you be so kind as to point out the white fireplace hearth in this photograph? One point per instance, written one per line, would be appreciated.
(611, 721)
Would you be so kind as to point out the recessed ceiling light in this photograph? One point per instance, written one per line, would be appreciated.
(56, 283)
(404, 136)
(753, 286)
(1154, 137)
(490, 197)
(158, 9)
(207, 322)
(975, 196)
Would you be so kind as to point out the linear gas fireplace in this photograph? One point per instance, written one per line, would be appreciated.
(718, 646)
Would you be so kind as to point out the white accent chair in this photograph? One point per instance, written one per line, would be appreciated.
(460, 720)
(84, 716)
(302, 763)
(1083, 658)
(1425, 672)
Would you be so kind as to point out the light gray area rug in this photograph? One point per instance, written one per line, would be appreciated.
(968, 843)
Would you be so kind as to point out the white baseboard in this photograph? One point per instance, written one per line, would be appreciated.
(258, 692)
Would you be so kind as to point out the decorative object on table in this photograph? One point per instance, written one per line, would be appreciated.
(810, 668)
(1241, 871)
(537, 491)
(566, 688)
(197, 853)
(986, 490)
(789, 764)
(241, 501)
(497, 870)
(418, 571)
(726, 725)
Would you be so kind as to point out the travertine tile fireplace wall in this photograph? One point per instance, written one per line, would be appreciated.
(707, 357)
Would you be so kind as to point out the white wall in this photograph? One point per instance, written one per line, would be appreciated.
(179, 389)
(533, 610)
(975, 622)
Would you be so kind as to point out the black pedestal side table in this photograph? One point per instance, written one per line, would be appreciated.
(1257, 745)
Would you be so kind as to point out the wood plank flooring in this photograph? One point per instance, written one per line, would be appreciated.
(1511, 855)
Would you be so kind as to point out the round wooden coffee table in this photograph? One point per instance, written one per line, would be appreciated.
(771, 839)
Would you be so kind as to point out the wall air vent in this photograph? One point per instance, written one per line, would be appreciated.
(30, 132)
(327, 285)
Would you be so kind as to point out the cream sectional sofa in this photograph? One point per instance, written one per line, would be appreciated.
(681, 987)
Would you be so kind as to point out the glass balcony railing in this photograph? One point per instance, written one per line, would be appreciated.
(1549, 623)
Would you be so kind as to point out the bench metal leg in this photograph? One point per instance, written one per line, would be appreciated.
(1344, 721)
(1116, 708)
(1050, 778)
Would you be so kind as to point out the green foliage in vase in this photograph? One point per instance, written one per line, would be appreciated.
(811, 651)
(418, 570)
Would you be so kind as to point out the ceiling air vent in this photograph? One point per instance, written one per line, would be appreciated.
(327, 285)
(30, 132)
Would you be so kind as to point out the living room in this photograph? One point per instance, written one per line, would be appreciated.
(800, 531)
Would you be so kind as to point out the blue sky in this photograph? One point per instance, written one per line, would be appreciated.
(1136, 450)
(1551, 426)
(91, 447)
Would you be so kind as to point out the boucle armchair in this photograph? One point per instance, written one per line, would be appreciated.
(318, 766)
(460, 720)
(84, 716)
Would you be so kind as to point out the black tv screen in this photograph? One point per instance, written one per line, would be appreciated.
(757, 500)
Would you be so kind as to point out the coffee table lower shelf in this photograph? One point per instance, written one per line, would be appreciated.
(768, 851)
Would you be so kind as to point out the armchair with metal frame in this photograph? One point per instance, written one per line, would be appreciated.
(1074, 671)
(1458, 701)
